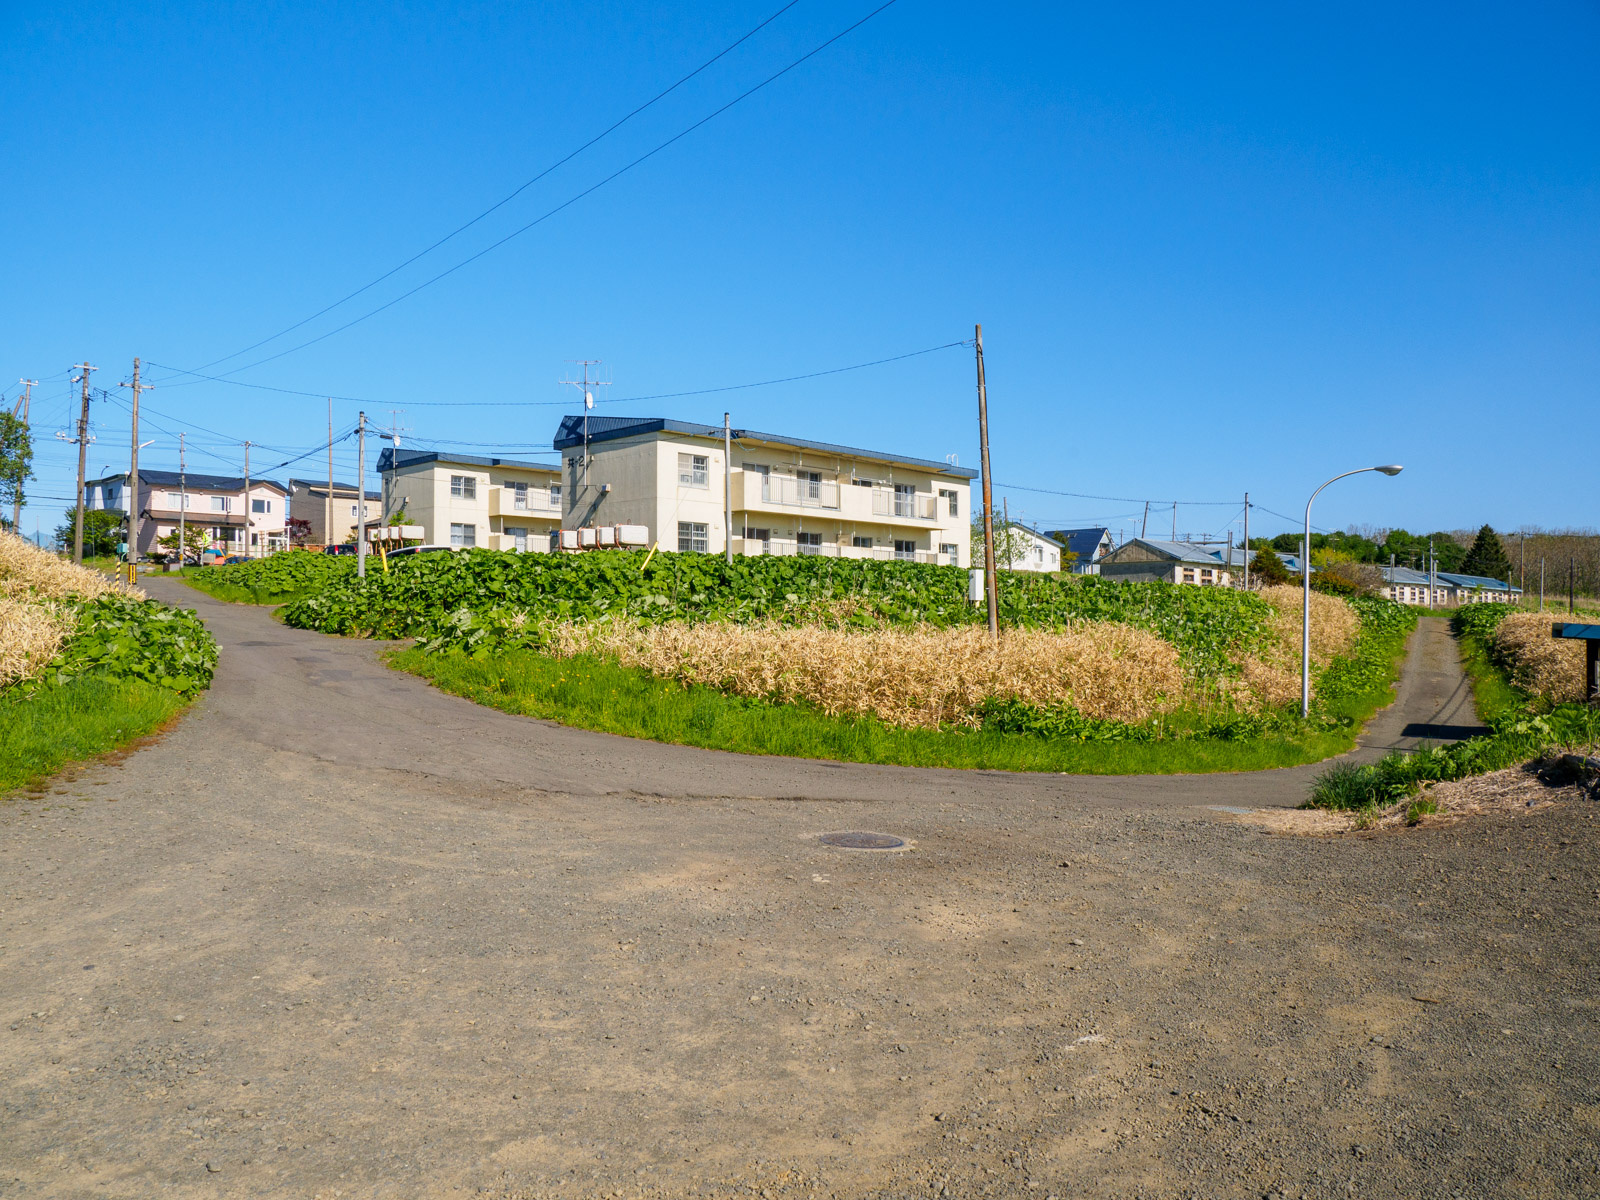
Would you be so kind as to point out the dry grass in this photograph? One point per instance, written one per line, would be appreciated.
(1540, 664)
(29, 572)
(1272, 675)
(918, 678)
(30, 635)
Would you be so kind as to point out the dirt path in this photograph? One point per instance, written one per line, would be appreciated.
(1434, 700)
(340, 934)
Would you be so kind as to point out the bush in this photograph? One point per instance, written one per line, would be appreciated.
(124, 637)
(274, 580)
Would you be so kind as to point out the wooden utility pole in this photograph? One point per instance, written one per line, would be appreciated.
(990, 584)
(133, 477)
(327, 515)
(21, 409)
(361, 496)
(1143, 524)
(83, 461)
(727, 486)
(1005, 525)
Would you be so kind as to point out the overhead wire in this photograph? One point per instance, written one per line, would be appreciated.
(568, 203)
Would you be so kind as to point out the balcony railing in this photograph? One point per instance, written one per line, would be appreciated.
(787, 546)
(918, 506)
(799, 493)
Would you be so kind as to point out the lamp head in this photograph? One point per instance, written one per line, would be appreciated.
(1390, 470)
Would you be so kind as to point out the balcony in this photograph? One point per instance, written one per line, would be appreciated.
(788, 547)
(508, 502)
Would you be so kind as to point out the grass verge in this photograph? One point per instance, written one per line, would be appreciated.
(43, 732)
(595, 693)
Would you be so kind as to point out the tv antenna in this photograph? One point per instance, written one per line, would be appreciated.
(585, 386)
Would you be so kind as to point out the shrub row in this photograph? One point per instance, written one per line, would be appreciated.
(480, 600)
(124, 637)
(273, 580)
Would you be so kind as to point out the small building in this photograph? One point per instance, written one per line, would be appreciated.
(1477, 589)
(1029, 549)
(1236, 557)
(1088, 547)
(234, 521)
(333, 517)
(788, 495)
(1146, 560)
(463, 500)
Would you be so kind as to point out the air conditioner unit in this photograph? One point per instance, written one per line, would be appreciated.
(606, 536)
(569, 539)
(633, 535)
(586, 537)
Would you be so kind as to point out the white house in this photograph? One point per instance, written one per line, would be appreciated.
(1149, 560)
(235, 521)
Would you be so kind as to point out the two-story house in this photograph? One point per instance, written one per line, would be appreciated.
(463, 500)
(234, 521)
(332, 515)
(785, 495)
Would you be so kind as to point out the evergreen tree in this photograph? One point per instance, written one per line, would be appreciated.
(1487, 556)
(1267, 568)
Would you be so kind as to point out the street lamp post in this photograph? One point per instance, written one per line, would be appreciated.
(1305, 576)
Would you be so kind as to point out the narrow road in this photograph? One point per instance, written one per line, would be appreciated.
(338, 934)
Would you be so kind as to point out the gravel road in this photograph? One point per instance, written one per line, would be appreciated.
(338, 934)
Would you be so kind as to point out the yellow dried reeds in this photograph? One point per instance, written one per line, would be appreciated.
(1539, 663)
(913, 678)
(30, 635)
(1272, 673)
(26, 570)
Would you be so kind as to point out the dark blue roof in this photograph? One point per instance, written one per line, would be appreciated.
(390, 459)
(194, 479)
(604, 429)
(1082, 542)
(1476, 581)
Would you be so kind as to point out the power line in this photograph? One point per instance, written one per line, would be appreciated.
(516, 233)
(1017, 487)
(499, 204)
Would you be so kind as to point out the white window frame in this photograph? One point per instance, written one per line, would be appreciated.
(950, 495)
(694, 470)
(905, 549)
(463, 535)
(464, 487)
(694, 537)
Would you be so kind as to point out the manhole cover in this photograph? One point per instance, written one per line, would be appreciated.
(856, 840)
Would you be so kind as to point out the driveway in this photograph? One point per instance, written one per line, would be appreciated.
(340, 934)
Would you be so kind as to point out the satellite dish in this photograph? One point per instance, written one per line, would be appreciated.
(588, 399)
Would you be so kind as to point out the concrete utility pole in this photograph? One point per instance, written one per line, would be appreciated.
(83, 460)
(133, 476)
(247, 500)
(183, 504)
(1247, 541)
(1174, 520)
(1541, 585)
(1005, 524)
(1145, 522)
(327, 516)
(583, 385)
(361, 496)
(1433, 577)
(21, 409)
(727, 486)
(990, 583)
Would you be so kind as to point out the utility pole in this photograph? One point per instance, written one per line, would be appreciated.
(727, 486)
(133, 476)
(247, 500)
(1146, 521)
(1229, 559)
(1247, 541)
(1433, 577)
(1174, 520)
(1005, 524)
(21, 409)
(83, 461)
(1541, 585)
(1572, 579)
(990, 584)
(361, 496)
(327, 518)
(583, 385)
(183, 504)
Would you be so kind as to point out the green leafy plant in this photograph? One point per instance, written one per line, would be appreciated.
(126, 638)
(273, 580)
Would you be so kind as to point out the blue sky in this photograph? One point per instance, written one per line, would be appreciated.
(1214, 248)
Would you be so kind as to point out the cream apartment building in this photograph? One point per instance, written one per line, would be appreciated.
(463, 500)
(333, 517)
(788, 495)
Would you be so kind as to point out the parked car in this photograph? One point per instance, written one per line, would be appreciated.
(347, 548)
(407, 551)
(235, 558)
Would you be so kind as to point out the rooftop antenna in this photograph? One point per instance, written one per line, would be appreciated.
(584, 385)
(395, 428)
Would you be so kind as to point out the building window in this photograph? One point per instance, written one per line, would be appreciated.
(221, 503)
(808, 543)
(1188, 576)
(555, 495)
(758, 535)
(861, 542)
(905, 500)
(464, 486)
(518, 536)
(951, 551)
(463, 535)
(694, 470)
(810, 484)
(906, 551)
(519, 495)
(261, 506)
(949, 497)
(693, 536)
(353, 513)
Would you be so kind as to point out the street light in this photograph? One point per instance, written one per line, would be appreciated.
(1305, 575)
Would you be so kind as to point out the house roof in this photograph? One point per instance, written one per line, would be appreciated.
(1477, 581)
(1176, 551)
(193, 479)
(605, 429)
(390, 459)
(1291, 562)
(1082, 542)
(1404, 575)
(340, 490)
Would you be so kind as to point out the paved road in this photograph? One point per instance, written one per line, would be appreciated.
(339, 934)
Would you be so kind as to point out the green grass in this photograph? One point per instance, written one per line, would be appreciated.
(597, 694)
(1495, 695)
(41, 733)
